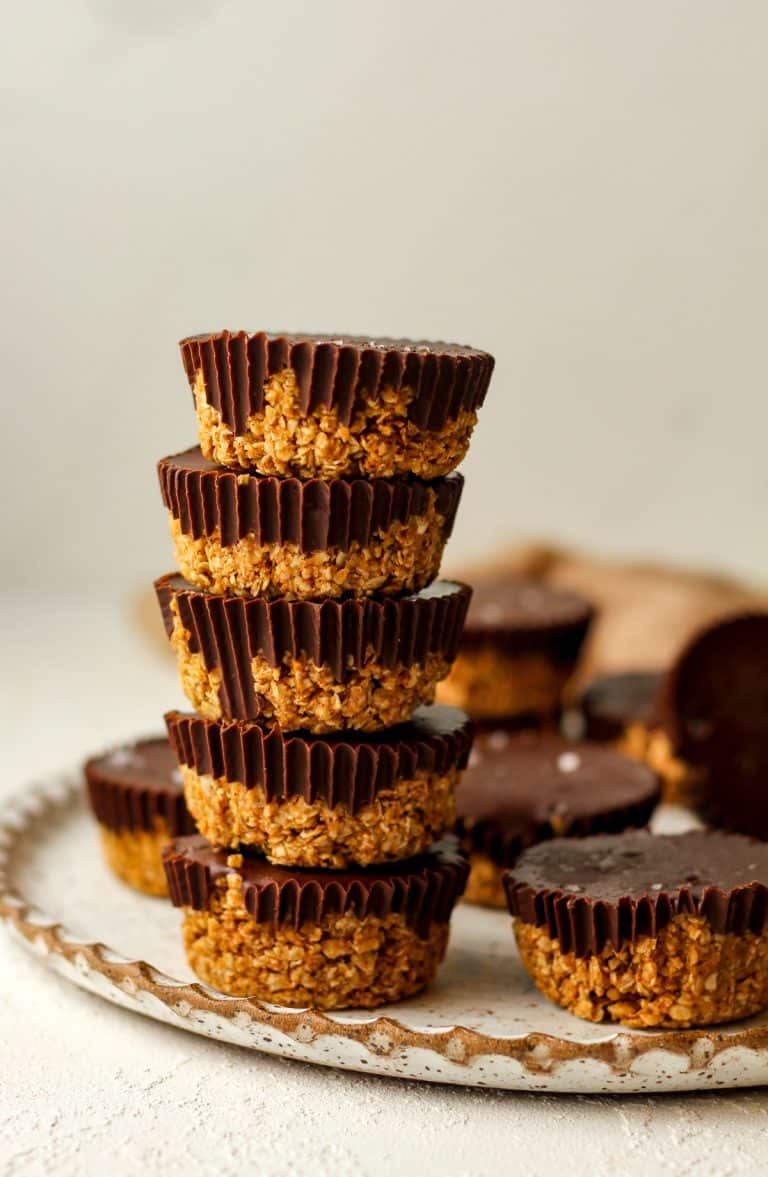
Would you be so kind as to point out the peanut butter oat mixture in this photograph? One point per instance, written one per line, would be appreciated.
(379, 442)
(136, 856)
(400, 823)
(687, 975)
(337, 963)
(404, 558)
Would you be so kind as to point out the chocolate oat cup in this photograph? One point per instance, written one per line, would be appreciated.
(136, 794)
(328, 407)
(327, 939)
(283, 537)
(322, 666)
(620, 710)
(646, 930)
(327, 802)
(712, 707)
(522, 789)
(518, 651)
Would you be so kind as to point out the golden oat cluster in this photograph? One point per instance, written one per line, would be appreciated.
(311, 630)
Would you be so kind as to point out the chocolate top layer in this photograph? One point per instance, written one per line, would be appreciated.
(717, 690)
(347, 770)
(316, 514)
(338, 372)
(423, 890)
(131, 786)
(713, 705)
(615, 701)
(230, 631)
(522, 789)
(615, 889)
(524, 616)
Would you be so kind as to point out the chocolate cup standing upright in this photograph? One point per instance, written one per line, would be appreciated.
(712, 707)
(137, 797)
(283, 537)
(620, 709)
(523, 789)
(328, 802)
(321, 666)
(644, 929)
(324, 406)
(518, 651)
(326, 939)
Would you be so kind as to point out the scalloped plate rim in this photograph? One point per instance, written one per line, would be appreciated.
(533, 1061)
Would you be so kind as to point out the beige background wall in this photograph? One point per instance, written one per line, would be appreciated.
(579, 186)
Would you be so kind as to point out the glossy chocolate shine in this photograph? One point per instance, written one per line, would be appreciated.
(131, 786)
(315, 514)
(348, 769)
(424, 890)
(616, 889)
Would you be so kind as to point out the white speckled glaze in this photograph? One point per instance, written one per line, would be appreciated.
(482, 1023)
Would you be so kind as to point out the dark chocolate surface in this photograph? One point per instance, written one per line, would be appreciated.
(713, 704)
(348, 770)
(315, 514)
(614, 701)
(616, 888)
(522, 789)
(132, 785)
(424, 889)
(229, 631)
(337, 372)
(524, 616)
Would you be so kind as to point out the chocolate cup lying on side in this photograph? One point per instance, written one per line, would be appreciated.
(518, 651)
(326, 939)
(327, 802)
(522, 789)
(282, 537)
(646, 930)
(321, 666)
(620, 709)
(136, 794)
(322, 406)
(712, 708)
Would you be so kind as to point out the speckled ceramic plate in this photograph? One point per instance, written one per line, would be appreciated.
(481, 1024)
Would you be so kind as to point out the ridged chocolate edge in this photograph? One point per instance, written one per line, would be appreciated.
(424, 898)
(584, 927)
(229, 631)
(446, 380)
(342, 771)
(121, 806)
(315, 514)
(560, 644)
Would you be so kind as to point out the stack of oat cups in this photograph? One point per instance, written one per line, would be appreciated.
(311, 632)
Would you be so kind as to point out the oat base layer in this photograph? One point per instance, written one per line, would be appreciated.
(340, 963)
(401, 822)
(299, 694)
(489, 685)
(688, 975)
(484, 886)
(404, 558)
(379, 442)
(135, 856)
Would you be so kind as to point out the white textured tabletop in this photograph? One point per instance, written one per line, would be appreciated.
(84, 1085)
